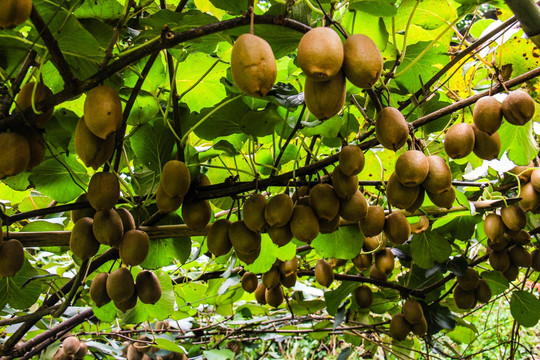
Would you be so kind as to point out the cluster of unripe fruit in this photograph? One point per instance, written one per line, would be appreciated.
(411, 319)
(72, 349)
(143, 350)
(470, 289)
(482, 138)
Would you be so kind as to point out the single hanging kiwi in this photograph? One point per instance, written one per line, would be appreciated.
(464, 299)
(486, 146)
(494, 226)
(325, 99)
(274, 296)
(354, 209)
(120, 285)
(344, 186)
(15, 154)
(518, 107)
(270, 278)
(128, 222)
(362, 261)
(324, 201)
(279, 210)
(362, 62)
(439, 176)
(320, 53)
(530, 198)
(148, 287)
(175, 178)
(103, 111)
(280, 235)
(217, 240)
(324, 274)
(103, 191)
(487, 114)
(98, 290)
(399, 195)
(304, 223)
(253, 212)
(459, 140)
(249, 258)
(244, 240)
(397, 227)
(373, 223)
(82, 242)
(519, 256)
(399, 327)
(288, 267)
(535, 179)
(412, 310)
(483, 291)
(108, 228)
(499, 260)
(391, 128)
(91, 149)
(444, 199)
(249, 282)
(134, 247)
(418, 202)
(351, 160)
(363, 296)
(469, 281)
(196, 214)
(514, 217)
(412, 168)
(384, 261)
(165, 203)
(260, 293)
(11, 257)
(374, 243)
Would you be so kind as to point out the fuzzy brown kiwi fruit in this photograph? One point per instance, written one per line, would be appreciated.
(280, 235)
(421, 225)
(91, 149)
(444, 199)
(274, 296)
(270, 278)
(483, 291)
(486, 146)
(320, 53)
(103, 191)
(518, 107)
(373, 223)
(459, 140)
(375, 273)
(120, 285)
(134, 247)
(108, 227)
(384, 261)
(494, 226)
(519, 256)
(85, 212)
(249, 258)
(37, 149)
(355, 208)
(521, 237)
(128, 222)
(412, 168)
(362, 261)
(15, 154)
(391, 128)
(288, 267)
(217, 240)
(535, 259)
(399, 195)
(165, 203)
(399, 327)
(418, 202)
(499, 260)
(469, 280)
(14, 12)
(514, 217)
(344, 186)
(148, 287)
(175, 178)
(530, 198)
(511, 273)
(249, 282)
(327, 227)
(324, 201)
(498, 244)
(412, 310)
(31, 94)
(304, 223)
(11, 257)
(82, 241)
(289, 281)
(71, 345)
(324, 99)
(362, 62)
(103, 111)
(523, 172)
(130, 303)
(253, 65)
(279, 210)
(324, 274)
(196, 214)
(260, 293)
(439, 176)
(81, 353)
(253, 212)
(244, 240)
(374, 243)
(363, 296)
(98, 290)
(397, 227)
(420, 328)
(535, 179)
(464, 299)
(487, 114)
(351, 160)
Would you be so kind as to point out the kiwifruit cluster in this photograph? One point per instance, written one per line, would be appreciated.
(530, 189)
(411, 319)
(103, 111)
(21, 151)
(72, 348)
(327, 63)
(11, 256)
(30, 95)
(270, 289)
(470, 289)
(14, 12)
(175, 183)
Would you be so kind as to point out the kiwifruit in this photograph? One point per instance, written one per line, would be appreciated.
(82, 241)
(535, 259)
(487, 114)
(98, 290)
(469, 280)
(421, 225)
(15, 154)
(374, 243)
(300, 192)
(91, 149)
(175, 178)
(521, 237)
(280, 235)
(523, 172)
(288, 267)
(535, 179)
(444, 199)
(391, 128)
(464, 299)
(128, 222)
(459, 140)
(133, 353)
(399, 327)
(304, 200)
(244, 240)
(421, 328)
(483, 291)
(530, 198)
(249, 258)
(344, 186)
(376, 274)
(253, 65)
(81, 353)
(249, 282)
(320, 53)
(103, 111)
(165, 203)
(351, 160)
(324, 274)
(373, 223)
(304, 223)
(108, 227)
(327, 227)
(142, 344)
(279, 210)
(511, 273)
(70, 345)
(324, 99)
(217, 240)
(128, 304)
(253, 212)
(196, 214)
(274, 296)
(270, 278)
(384, 261)
(60, 354)
(120, 285)
(14, 12)
(518, 107)
(514, 217)
(148, 287)
(134, 247)
(397, 227)
(363, 296)
(486, 146)
(31, 94)
(412, 310)
(362, 61)
(288, 281)
(336, 263)
(85, 212)
(494, 226)
(103, 191)
(355, 208)
(499, 260)
(37, 149)
(260, 294)
(439, 176)
(498, 244)
(362, 261)
(412, 168)
(324, 202)
(11, 257)
(399, 195)
(418, 202)
(519, 256)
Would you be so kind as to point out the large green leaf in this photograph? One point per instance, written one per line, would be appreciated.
(145, 108)
(518, 53)
(525, 308)
(345, 243)
(429, 14)
(334, 298)
(269, 253)
(376, 7)
(153, 145)
(428, 248)
(164, 251)
(496, 281)
(12, 292)
(101, 9)
(518, 142)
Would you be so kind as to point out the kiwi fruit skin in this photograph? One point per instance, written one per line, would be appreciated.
(103, 191)
(108, 227)
(499, 260)
(518, 107)
(82, 242)
(373, 223)
(40, 92)
(535, 259)
(421, 225)
(260, 294)
(469, 280)
(530, 198)
(487, 115)
(327, 227)
(253, 65)
(244, 240)
(37, 149)
(344, 186)
(128, 222)
(376, 274)
(444, 199)
(304, 223)
(498, 244)
(420, 328)
(71, 345)
(521, 237)
(253, 212)
(439, 177)
(249, 258)
(363, 296)
(513, 217)
(362, 261)
(130, 303)
(486, 146)
(165, 203)
(14, 12)
(391, 128)
(196, 214)
(148, 287)
(249, 282)
(324, 201)
(374, 243)
(519, 256)
(523, 172)
(324, 274)
(217, 239)
(98, 290)
(483, 291)
(384, 261)
(464, 299)
(412, 311)
(535, 179)
(289, 281)
(412, 168)
(494, 227)
(320, 53)
(81, 353)
(324, 99)
(120, 285)
(418, 202)
(459, 140)
(175, 178)
(15, 154)
(279, 210)
(280, 235)
(270, 278)
(397, 227)
(288, 267)
(274, 296)
(511, 273)
(85, 212)
(103, 111)
(351, 160)
(134, 247)
(355, 208)
(399, 195)
(91, 149)
(362, 62)
(11, 257)
(399, 327)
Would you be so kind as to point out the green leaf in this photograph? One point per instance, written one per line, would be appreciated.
(13, 196)
(496, 281)
(260, 123)
(106, 313)
(164, 251)
(283, 42)
(525, 308)
(518, 53)
(101, 9)
(345, 243)
(234, 7)
(17, 297)
(384, 301)
(518, 142)
(156, 78)
(459, 225)
(363, 21)
(153, 145)
(334, 298)
(222, 354)
(53, 179)
(429, 247)
(168, 344)
(429, 14)
(376, 7)
(439, 317)
(222, 122)
(189, 296)
(269, 253)
(145, 109)
(462, 335)
(41, 225)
